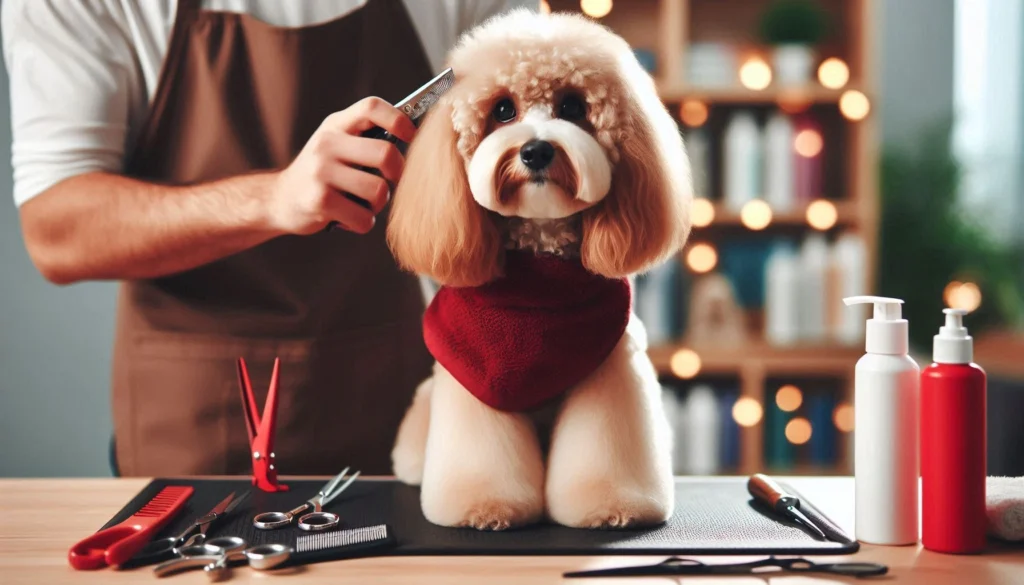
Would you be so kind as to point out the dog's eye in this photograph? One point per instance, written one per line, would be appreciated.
(572, 108)
(504, 111)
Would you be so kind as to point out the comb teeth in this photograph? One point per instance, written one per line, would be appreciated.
(162, 501)
(341, 538)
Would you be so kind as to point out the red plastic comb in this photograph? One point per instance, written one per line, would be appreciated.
(115, 545)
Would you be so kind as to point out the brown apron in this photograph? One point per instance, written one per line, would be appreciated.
(238, 95)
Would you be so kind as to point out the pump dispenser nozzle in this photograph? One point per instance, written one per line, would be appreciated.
(953, 345)
(887, 332)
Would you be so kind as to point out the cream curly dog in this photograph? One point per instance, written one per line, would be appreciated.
(554, 141)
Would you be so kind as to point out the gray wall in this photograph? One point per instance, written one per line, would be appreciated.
(55, 342)
(54, 355)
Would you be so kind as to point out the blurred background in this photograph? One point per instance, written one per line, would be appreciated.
(839, 147)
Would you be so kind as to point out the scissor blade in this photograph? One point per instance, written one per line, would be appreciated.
(334, 492)
(236, 502)
(800, 517)
(269, 418)
(252, 416)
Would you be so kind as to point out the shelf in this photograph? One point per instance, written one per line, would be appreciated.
(814, 94)
(846, 215)
(798, 359)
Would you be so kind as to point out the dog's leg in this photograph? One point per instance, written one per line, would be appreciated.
(610, 463)
(411, 441)
(483, 467)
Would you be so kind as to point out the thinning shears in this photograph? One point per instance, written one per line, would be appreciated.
(317, 519)
(261, 429)
(195, 535)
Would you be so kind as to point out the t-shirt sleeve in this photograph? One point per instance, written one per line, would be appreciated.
(71, 74)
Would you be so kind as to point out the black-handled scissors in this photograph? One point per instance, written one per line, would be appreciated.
(674, 566)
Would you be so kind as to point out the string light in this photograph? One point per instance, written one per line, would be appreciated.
(755, 74)
(822, 214)
(833, 73)
(843, 417)
(702, 258)
(685, 363)
(854, 105)
(747, 412)
(545, 7)
(596, 8)
(702, 213)
(756, 215)
(798, 431)
(789, 398)
(693, 113)
(808, 143)
(962, 295)
(793, 103)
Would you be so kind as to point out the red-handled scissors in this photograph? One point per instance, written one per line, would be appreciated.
(261, 430)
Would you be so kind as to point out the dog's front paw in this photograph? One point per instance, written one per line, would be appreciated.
(604, 505)
(480, 509)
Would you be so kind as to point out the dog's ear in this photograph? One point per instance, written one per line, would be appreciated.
(435, 227)
(646, 215)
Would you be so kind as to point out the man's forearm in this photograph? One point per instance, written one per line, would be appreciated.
(103, 226)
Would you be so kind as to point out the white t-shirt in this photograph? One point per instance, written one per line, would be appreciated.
(83, 72)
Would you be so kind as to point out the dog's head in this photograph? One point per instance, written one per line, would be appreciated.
(551, 115)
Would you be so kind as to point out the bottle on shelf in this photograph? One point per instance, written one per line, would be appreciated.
(846, 279)
(741, 176)
(702, 424)
(814, 260)
(886, 421)
(953, 443)
(782, 296)
(697, 150)
(807, 179)
(778, 162)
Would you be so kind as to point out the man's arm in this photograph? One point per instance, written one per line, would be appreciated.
(104, 226)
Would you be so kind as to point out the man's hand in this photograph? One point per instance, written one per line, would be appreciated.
(307, 196)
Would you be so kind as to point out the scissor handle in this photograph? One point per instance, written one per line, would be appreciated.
(272, 520)
(318, 521)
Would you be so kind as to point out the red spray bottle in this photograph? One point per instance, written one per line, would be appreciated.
(953, 443)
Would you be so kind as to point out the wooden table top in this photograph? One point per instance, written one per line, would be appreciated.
(42, 518)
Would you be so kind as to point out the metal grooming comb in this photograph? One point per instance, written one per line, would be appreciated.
(341, 544)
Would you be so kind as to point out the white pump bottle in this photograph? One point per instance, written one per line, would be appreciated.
(886, 422)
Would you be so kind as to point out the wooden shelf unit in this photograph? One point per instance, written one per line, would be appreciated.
(665, 28)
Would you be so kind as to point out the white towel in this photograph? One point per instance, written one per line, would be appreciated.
(1004, 499)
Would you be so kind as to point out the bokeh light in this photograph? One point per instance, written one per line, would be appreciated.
(693, 113)
(833, 73)
(962, 295)
(702, 258)
(798, 431)
(822, 214)
(755, 74)
(789, 398)
(685, 363)
(756, 215)
(596, 8)
(702, 213)
(854, 105)
(808, 143)
(747, 412)
(843, 417)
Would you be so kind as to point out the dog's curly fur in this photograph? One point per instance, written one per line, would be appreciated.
(616, 196)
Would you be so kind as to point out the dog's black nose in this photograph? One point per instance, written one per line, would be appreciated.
(537, 154)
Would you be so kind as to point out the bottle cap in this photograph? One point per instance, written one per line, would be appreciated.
(953, 345)
(888, 333)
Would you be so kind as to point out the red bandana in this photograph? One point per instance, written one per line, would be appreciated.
(529, 336)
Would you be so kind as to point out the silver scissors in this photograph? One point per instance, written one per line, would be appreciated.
(315, 520)
(193, 536)
(215, 554)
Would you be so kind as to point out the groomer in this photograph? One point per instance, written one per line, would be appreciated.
(195, 150)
